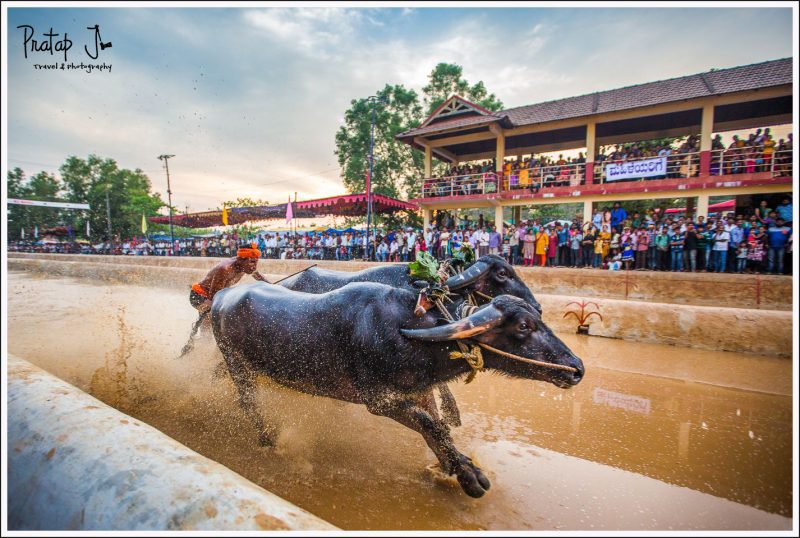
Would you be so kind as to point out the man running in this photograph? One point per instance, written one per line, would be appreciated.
(223, 275)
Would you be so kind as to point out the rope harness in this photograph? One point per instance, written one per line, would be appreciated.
(472, 353)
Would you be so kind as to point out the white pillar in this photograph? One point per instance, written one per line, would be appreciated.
(587, 211)
(706, 127)
(590, 142)
(426, 219)
(501, 152)
(702, 206)
(428, 157)
(498, 219)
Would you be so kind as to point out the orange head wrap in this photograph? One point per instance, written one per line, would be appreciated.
(248, 252)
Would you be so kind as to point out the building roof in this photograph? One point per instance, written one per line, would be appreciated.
(718, 82)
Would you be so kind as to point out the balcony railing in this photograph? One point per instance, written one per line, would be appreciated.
(750, 160)
(460, 185)
(679, 166)
(550, 175)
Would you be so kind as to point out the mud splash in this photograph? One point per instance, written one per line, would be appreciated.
(359, 471)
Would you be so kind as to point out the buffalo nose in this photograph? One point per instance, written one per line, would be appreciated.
(577, 375)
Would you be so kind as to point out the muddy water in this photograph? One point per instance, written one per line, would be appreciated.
(655, 437)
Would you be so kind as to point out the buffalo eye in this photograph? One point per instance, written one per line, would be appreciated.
(502, 274)
(525, 328)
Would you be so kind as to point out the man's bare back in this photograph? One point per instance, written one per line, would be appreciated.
(223, 275)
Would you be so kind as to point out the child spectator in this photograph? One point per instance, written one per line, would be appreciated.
(627, 253)
(598, 253)
(741, 257)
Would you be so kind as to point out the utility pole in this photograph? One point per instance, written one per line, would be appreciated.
(166, 158)
(108, 218)
(372, 99)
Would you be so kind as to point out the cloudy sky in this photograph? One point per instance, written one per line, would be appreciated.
(249, 99)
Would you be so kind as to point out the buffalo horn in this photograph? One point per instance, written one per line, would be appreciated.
(473, 273)
(479, 322)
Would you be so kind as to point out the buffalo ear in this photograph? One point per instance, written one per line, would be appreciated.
(478, 323)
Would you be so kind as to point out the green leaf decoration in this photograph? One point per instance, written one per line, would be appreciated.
(424, 268)
(465, 253)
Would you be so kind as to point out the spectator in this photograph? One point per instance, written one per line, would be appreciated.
(720, 241)
(676, 241)
(494, 242)
(785, 210)
(552, 246)
(542, 240)
(642, 244)
(618, 216)
(778, 236)
(576, 241)
(529, 248)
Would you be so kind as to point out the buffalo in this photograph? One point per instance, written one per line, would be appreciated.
(370, 348)
(489, 276)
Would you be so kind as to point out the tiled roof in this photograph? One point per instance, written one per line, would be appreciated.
(452, 124)
(735, 79)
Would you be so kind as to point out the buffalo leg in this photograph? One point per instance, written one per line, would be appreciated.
(244, 380)
(450, 412)
(412, 414)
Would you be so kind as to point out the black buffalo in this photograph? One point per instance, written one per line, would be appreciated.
(369, 348)
(490, 275)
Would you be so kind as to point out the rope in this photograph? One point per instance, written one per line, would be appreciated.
(473, 356)
(531, 361)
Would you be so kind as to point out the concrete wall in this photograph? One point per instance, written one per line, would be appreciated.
(703, 327)
(767, 332)
(721, 290)
(75, 463)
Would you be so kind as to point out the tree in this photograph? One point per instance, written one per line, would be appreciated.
(129, 197)
(245, 202)
(397, 167)
(445, 80)
(43, 187)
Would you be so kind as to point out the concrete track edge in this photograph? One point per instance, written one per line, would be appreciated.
(75, 463)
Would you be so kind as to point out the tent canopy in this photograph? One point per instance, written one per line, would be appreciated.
(345, 205)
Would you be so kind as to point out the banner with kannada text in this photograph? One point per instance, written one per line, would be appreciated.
(637, 169)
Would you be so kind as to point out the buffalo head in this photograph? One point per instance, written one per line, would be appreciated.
(493, 276)
(514, 326)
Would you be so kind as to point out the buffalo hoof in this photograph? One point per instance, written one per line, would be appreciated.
(471, 478)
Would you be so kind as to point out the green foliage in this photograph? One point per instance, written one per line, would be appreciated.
(42, 186)
(445, 80)
(424, 268)
(398, 168)
(244, 202)
(85, 181)
(465, 254)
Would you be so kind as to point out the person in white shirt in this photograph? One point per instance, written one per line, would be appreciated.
(483, 242)
(720, 240)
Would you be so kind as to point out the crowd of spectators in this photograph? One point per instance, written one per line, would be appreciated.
(758, 240)
(755, 153)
